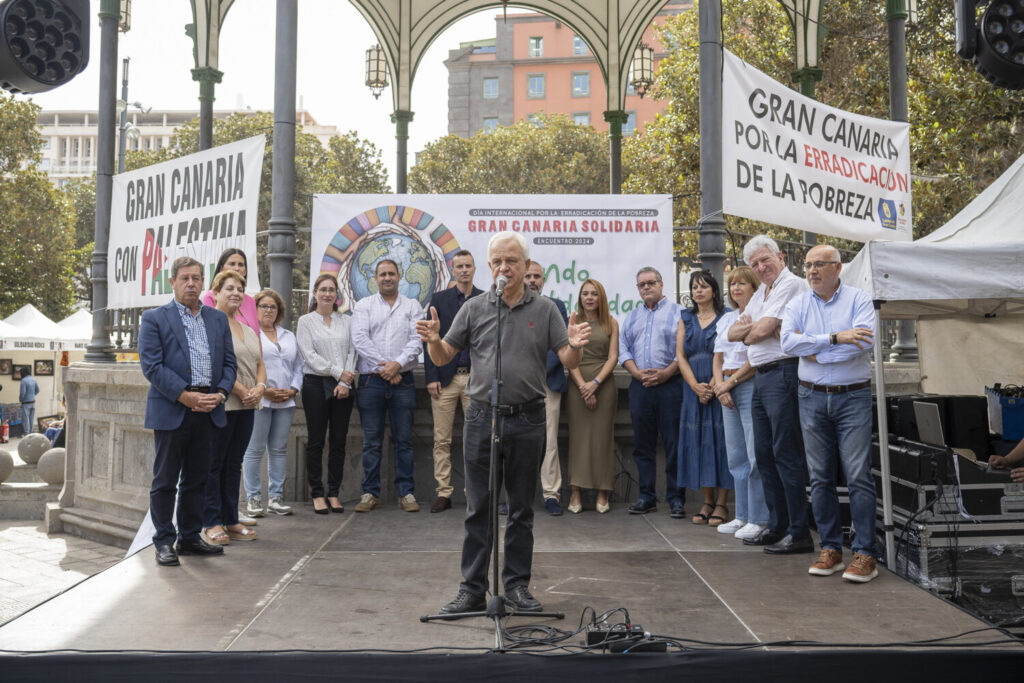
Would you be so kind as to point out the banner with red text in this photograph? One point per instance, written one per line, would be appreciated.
(197, 205)
(573, 237)
(792, 161)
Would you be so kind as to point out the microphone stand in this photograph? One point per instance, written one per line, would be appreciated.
(496, 604)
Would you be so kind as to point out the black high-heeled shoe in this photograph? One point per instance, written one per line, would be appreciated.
(335, 508)
(321, 511)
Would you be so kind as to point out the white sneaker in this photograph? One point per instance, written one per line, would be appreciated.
(732, 527)
(278, 507)
(246, 520)
(254, 507)
(749, 531)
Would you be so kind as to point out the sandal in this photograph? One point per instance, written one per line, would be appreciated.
(715, 520)
(246, 534)
(218, 537)
(701, 517)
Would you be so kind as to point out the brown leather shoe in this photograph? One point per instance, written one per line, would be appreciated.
(441, 503)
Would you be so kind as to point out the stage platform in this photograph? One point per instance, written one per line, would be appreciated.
(361, 582)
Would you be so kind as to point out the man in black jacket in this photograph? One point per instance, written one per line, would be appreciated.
(447, 384)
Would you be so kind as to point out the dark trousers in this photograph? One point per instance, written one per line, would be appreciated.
(521, 450)
(323, 412)
(779, 449)
(182, 453)
(222, 483)
(654, 411)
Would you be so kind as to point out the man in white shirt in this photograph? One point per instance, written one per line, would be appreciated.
(778, 445)
(384, 334)
(831, 329)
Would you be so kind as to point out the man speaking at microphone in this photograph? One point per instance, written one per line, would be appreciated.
(531, 324)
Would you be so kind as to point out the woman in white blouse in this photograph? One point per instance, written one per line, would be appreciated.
(272, 424)
(328, 378)
(732, 372)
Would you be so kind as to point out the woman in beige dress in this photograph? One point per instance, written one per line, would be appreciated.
(220, 510)
(592, 401)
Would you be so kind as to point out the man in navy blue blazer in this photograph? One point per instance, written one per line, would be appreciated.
(551, 466)
(186, 353)
(447, 384)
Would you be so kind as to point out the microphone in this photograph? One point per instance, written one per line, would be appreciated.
(500, 284)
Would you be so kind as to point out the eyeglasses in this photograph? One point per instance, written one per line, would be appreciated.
(647, 283)
(327, 290)
(817, 265)
(267, 307)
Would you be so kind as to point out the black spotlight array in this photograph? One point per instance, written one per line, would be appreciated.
(45, 43)
(996, 46)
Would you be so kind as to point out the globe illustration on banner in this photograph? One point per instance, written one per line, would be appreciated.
(420, 244)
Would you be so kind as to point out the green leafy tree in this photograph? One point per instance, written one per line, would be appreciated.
(81, 192)
(549, 155)
(37, 249)
(964, 131)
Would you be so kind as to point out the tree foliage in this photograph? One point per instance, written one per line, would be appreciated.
(549, 155)
(964, 131)
(37, 249)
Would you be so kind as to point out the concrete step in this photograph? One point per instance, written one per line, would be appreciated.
(26, 500)
(24, 474)
(91, 525)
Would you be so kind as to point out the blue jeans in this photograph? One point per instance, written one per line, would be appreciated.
(376, 398)
(28, 417)
(521, 450)
(780, 450)
(220, 505)
(739, 447)
(837, 429)
(270, 428)
(654, 411)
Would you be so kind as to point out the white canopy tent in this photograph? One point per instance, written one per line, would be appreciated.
(964, 283)
(31, 331)
(77, 330)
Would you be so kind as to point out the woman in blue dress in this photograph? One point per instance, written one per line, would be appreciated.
(702, 457)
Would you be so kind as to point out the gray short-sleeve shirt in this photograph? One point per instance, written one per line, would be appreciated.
(529, 329)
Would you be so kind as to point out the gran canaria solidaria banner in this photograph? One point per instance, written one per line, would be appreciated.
(789, 160)
(573, 237)
(197, 205)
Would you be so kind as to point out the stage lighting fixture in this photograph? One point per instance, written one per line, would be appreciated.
(45, 43)
(996, 47)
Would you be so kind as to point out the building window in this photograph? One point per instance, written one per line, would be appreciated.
(581, 84)
(74, 147)
(491, 88)
(629, 127)
(581, 118)
(88, 148)
(630, 90)
(490, 123)
(535, 86)
(536, 46)
(578, 46)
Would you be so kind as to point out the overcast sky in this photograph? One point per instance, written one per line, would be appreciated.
(332, 42)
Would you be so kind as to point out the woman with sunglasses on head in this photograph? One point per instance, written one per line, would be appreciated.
(235, 260)
(328, 381)
(272, 424)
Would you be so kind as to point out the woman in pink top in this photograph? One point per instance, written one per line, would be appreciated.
(234, 259)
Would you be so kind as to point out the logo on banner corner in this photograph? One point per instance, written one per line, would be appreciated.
(887, 213)
(419, 242)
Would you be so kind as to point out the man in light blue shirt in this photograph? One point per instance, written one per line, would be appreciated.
(27, 397)
(831, 328)
(647, 350)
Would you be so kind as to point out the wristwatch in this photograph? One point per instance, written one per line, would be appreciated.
(223, 395)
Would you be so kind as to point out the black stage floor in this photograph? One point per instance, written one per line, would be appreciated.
(361, 582)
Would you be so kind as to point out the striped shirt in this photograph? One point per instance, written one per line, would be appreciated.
(648, 338)
(384, 333)
(198, 345)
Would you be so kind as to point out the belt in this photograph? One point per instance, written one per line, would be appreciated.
(516, 408)
(836, 388)
(201, 390)
(462, 370)
(776, 364)
(27, 403)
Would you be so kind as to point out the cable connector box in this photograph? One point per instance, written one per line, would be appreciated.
(604, 633)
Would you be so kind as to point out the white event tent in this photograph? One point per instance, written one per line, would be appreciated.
(76, 330)
(964, 284)
(28, 335)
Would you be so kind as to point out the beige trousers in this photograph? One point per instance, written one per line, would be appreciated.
(551, 468)
(443, 409)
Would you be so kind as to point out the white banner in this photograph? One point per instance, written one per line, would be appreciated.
(573, 237)
(789, 160)
(197, 205)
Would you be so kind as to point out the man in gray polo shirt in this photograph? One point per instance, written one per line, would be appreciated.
(530, 326)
